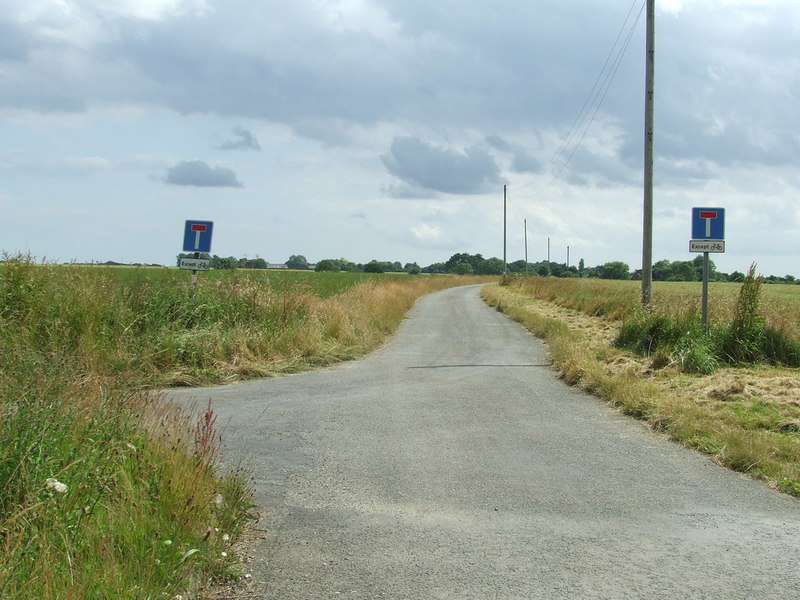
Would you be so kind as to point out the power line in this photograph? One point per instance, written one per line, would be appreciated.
(591, 106)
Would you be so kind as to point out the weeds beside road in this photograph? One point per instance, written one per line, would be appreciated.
(747, 417)
(106, 491)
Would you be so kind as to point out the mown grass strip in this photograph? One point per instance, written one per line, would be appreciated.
(717, 420)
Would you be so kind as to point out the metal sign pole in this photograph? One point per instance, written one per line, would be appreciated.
(705, 293)
(194, 275)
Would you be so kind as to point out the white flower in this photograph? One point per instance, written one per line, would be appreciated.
(167, 542)
(225, 537)
(218, 499)
(224, 554)
(54, 484)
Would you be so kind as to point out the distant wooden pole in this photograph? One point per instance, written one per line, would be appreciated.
(647, 225)
(505, 268)
(526, 246)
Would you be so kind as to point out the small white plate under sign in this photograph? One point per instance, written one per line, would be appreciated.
(195, 264)
(706, 245)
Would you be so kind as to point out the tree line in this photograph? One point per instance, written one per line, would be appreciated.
(475, 264)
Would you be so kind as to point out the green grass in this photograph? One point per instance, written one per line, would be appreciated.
(145, 512)
(322, 284)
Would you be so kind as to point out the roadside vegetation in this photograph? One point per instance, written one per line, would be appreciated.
(106, 489)
(734, 394)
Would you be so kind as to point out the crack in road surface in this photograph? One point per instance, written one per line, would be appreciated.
(445, 466)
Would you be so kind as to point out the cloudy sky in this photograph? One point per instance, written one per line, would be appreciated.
(386, 129)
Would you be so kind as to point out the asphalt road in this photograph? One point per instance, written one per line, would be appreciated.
(452, 463)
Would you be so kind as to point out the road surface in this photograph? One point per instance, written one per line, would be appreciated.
(452, 463)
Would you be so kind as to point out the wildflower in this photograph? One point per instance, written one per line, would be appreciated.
(54, 484)
(224, 554)
(225, 537)
(219, 500)
(167, 542)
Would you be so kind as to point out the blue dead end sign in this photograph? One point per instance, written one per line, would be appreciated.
(197, 236)
(708, 223)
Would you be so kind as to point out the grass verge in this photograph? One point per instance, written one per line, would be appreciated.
(107, 490)
(747, 418)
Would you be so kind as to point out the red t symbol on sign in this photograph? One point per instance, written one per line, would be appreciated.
(198, 229)
(708, 215)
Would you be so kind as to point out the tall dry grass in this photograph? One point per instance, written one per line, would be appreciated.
(748, 419)
(106, 491)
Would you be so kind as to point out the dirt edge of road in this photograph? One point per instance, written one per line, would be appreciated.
(746, 419)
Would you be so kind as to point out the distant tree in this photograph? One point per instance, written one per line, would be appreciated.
(328, 264)
(456, 259)
(435, 268)
(412, 268)
(230, 262)
(518, 266)
(350, 266)
(581, 267)
(698, 265)
(557, 269)
(683, 271)
(463, 268)
(297, 261)
(662, 270)
(490, 266)
(615, 270)
(374, 266)
(736, 276)
(253, 263)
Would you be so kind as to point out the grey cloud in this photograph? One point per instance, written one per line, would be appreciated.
(525, 163)
(522, 162)
(403, 191)
(422, 165)
(201, 174)
(529, 67)
(243, 140)
(498, 143)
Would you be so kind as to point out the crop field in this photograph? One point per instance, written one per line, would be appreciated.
(729, 393)
(106, 490)
(323, 284)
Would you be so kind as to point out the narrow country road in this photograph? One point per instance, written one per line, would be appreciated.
(453, 464)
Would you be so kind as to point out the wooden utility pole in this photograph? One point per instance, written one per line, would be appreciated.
(548, 255)
(505, 268)
(647, 226)
(526, 246)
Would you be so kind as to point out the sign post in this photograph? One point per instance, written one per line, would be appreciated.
(708, 235)
(197, 239)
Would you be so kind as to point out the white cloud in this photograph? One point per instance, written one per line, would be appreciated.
(200, 174)
(427, 232)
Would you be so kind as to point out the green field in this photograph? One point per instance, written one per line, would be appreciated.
(107, 491)
(323, 284)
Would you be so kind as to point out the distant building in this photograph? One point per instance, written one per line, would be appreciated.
(276, 266)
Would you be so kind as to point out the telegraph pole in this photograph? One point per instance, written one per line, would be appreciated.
(548, 255)
(505, 268)
(647, 226)
(526, 246)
